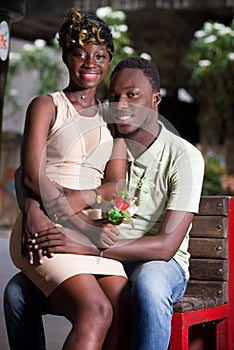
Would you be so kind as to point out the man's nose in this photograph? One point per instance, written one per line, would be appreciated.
(122, 103)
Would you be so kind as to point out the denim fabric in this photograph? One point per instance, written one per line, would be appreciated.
(156, 286)
(24, 305)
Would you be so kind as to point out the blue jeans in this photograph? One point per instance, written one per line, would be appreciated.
(156, 286)
(24, 305)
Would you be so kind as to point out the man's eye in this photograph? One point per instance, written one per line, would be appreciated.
(132, 94)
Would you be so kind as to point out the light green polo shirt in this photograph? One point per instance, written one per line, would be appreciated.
(168, 175)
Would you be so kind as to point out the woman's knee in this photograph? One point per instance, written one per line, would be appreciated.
(81, 300)
(100, 310)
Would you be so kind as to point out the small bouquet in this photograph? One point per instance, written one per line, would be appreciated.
(122, 209)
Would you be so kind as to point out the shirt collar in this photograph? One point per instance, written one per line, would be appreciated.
(152, 153)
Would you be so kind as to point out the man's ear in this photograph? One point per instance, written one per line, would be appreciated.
(156, 99)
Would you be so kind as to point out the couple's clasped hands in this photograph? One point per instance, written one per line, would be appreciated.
(43, 237)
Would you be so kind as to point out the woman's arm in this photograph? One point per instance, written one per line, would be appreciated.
(40, 117)
(74, 201)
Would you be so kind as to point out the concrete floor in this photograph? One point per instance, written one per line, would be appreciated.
(56, 328)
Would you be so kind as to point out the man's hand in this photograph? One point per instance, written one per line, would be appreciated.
(103, 234)
(34, 221)
(100, 232)
(58, 240)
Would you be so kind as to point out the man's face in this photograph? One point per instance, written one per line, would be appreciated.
(132, 101)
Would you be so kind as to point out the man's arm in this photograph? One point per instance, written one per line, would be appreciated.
(161, 247)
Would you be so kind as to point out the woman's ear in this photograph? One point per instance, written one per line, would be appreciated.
(156, 99)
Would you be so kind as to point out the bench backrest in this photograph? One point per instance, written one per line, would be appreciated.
(212, 251)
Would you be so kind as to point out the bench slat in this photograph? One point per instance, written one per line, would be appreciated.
(210, 226)
(208, 269)
(211, 289)
(212, 248)
(215, 205)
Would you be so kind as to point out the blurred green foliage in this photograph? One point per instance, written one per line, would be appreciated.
(215, 168)
(211, 60)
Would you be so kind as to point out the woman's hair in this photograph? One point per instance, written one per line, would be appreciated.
(79, 28)
(149, 69)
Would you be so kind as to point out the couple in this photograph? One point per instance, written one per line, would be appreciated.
(86, 269)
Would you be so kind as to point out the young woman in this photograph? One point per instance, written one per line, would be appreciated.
(66, 147)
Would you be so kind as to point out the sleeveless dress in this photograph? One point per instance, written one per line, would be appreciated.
(78, 148)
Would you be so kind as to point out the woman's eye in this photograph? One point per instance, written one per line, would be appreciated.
(101, 57)
(79, 54)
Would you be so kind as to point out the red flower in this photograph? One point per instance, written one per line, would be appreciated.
(121, 204)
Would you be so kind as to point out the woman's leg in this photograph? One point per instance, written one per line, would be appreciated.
(117, 290)
(82, 301)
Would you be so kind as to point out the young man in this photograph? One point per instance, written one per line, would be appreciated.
(165, 173)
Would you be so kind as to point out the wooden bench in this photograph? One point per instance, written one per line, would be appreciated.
(204, 319)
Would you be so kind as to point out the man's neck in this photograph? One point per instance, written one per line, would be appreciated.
(141, 140)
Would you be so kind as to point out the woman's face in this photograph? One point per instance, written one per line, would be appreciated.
(88, 65)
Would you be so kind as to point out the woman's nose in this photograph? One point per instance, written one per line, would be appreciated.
(90, 62)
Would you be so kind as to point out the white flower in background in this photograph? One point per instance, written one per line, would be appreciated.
(115, 33)
(128, 50)
(15, 56)
(103, 11)
(14, 92)
(231, 56)
(219, 26)
(199, 34)
(122, 28)
(225, 31)
(204, 63)
(207, 26)
(118, 15)
(146, 56)
(40, 43)
(210, 39)
(28, 47)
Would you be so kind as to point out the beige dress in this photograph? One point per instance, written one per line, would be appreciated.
(77, 150)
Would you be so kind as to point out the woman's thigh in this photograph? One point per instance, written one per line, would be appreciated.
(81, 296)
(117, 290)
